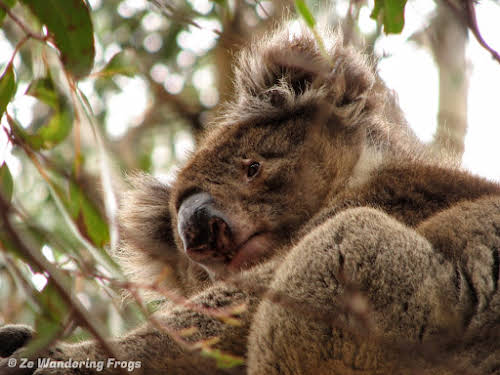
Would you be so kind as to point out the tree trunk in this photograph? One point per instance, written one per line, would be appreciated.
(448, 37)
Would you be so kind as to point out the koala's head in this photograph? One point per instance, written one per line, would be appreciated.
(286, 144)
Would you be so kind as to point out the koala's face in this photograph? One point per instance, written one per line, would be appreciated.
(287, 143)
(246, 191)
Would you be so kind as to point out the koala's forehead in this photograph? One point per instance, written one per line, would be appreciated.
(262, 138)
(216, 164)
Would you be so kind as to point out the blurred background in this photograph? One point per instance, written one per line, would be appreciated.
(161, 69)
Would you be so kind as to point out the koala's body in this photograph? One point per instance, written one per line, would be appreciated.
(311, 202)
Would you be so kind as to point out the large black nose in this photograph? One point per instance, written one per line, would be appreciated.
(201, 226)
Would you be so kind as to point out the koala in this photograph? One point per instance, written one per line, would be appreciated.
(311, 203)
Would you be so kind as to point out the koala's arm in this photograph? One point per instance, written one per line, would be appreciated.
(157, 350)
(432, 297)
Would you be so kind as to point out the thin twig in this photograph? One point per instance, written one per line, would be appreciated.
(473, 26)
(16, 50)
(174, 14)
(111, 267)
(259, 4)
(468, 15)
(41, 263)
(192, 115)
(26, 29)
(224, 314)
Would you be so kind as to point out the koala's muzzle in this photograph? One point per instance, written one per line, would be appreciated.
(202, 228)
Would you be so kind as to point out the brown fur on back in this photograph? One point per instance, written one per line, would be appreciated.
(346, 198)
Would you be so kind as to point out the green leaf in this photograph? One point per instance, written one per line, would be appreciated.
(53, 313)
(124, 62)
(223, 360)
(54, 306)
(87, 216)
(392, 14)
(305, 13)
(9, 4)
(70, 24)
(57, 129)
(33, 140)
(6, 182)
(47, 331)
(59, 125)
(44, 90)
(7, 88)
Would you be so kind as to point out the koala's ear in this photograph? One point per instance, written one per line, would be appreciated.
(144, 216)
(289, 69)
(13, 337)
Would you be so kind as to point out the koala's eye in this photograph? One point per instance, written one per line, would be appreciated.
(253, 169)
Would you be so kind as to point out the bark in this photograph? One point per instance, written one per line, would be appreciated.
(448, 37)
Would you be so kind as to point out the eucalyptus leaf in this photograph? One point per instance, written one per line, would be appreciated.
(33, 140)
(223, 360)
(87, 216)
(49, 323)
(6, 182)
(391, 13)
(305, 13)
(7, 88)
(54, 305)
(9, 4)
(124, 63)
(71, 27)
(47, 331)
(44, 90)
(60, 123)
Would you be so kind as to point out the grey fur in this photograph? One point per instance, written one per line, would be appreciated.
(381, 259)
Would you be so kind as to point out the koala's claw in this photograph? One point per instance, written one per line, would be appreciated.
(13, 337)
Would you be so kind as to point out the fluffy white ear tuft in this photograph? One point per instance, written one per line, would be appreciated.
(288, 69)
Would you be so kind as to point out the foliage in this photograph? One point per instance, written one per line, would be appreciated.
(68, 65)
(392, 14)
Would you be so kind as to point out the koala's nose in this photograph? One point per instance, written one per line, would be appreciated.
(201, 226)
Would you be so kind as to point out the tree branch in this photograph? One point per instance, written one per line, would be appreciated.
(184, 110)
(472, 23)
(467, 12)
(37, 259)
(21, 24)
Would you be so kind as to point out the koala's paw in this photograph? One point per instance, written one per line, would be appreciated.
(13, 337)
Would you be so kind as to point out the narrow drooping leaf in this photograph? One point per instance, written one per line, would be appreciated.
(305, 13)
(123, 63)
(49, 324)
(391, 13)
(109, 196)
(47, 331)
(50, 298)
(7, 88)
(87, 216)
(9, 4)
(70, 211)
(6, 182)
(223, 360)
(70, 24)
